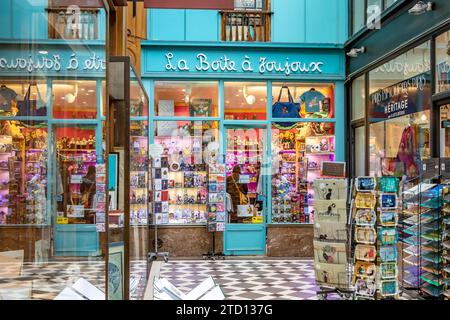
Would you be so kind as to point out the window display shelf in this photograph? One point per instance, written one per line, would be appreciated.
(413, 250)
(432, 279)
(432, 268)
(414, 220)
(432, 236)
(432, 257)
(412, 281)
(432, 290)
(412, 260)
(432, 247)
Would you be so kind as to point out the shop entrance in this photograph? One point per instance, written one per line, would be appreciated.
(74, 156)
(245, 233)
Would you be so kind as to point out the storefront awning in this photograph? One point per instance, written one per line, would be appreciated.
(190, 4)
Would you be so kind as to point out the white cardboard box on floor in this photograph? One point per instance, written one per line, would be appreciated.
(81, 290)
(206, 290)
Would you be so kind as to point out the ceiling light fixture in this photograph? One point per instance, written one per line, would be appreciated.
(70, 97)
(250, 99)
(353, 53)
(420, 8)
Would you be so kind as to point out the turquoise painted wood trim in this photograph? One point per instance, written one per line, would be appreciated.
(287, 21)
(201, 25)
(241, 239)
(221, 106)
(102, 25)
(240, 45)
(243, 77)
(50, 167)
(339, 121)
(269, 152)
(149, 85)
(167, 24)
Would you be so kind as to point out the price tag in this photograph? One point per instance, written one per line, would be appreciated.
(62, 220)
(257, 219)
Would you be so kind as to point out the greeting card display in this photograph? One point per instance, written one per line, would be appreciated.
(216, 197)
(365, 217)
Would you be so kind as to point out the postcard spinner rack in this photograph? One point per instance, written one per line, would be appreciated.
(153, 256)
(331, 235)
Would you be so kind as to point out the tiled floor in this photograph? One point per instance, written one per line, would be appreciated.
(45, 281)
(248, 279)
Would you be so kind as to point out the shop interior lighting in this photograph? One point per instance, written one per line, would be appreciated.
(70, 97)
(250, 99)
(420, 8)
(356, 51)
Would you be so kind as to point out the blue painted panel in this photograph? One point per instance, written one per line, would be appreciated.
(321, 21)
(155, 62)
(30, 20)
(202, 25)
(102, 25)
(166, 24)
(340, 121)
(241, 239)
(6, 19)
(288, 21)
(75, 240)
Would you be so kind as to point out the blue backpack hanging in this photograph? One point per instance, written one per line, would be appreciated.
(285, 109)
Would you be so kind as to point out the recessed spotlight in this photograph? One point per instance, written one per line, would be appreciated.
(91, 90)
(82, 89)
(43, 51)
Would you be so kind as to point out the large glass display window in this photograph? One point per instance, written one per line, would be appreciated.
(302, 100)
(186, 99)
(245, 101)
(75, 99)
(358, 98)
(443, 62)
(298, 150)
(188, 145)
(399, 116)
(23, 173)
(445, 130)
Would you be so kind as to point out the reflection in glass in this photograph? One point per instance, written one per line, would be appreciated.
(445, 130)
(443, 62)
(358, 98)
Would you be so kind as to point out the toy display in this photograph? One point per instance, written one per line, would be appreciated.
(23, 173)
(298, 152)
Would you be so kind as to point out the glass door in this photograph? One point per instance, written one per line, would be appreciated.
(74, 170)
(246, 184)
(445, 130)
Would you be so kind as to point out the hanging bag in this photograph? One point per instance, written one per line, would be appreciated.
(32, 108)
(288, 109)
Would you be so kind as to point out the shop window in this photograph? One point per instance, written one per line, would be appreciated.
(388, 3)
(358, 98)
(189, 145)
(443, 62)
(71, 24)
(360, 151)
(298, 150)
(358, 17)
(399, 117)
(75, 99)
(23, 173)
(186, 99)
(138, 101)
(245, 100)
(139, 173)
(23, 98)
(302, 100)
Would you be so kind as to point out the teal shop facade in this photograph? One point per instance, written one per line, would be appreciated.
(184, 58)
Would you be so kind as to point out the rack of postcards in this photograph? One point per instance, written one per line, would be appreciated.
(159, 190)
(375, 217)
(425, 212)
(216, 197)
(331, 234)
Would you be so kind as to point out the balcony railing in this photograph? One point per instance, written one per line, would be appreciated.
(245, 26)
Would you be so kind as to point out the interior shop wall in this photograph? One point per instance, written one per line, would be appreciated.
(293, 21)
(28, 19)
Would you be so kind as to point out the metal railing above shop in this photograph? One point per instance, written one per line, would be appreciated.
(245, 26)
